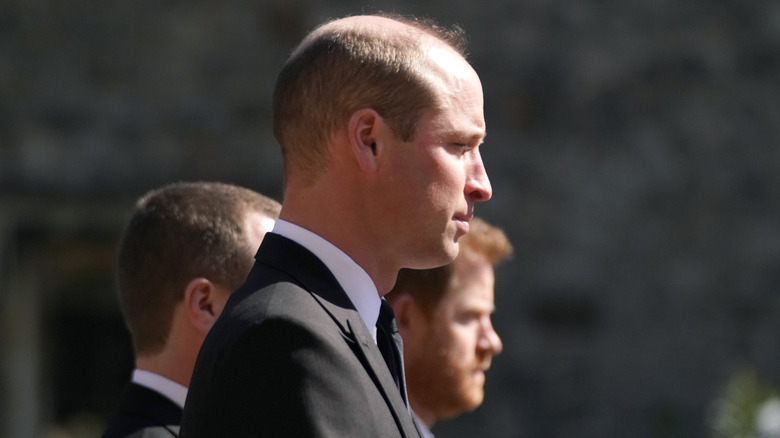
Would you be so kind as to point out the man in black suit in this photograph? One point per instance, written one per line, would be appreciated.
(380, 121)
(186, 247)
(444, 319)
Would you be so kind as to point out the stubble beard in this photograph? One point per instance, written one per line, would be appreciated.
(447, 386)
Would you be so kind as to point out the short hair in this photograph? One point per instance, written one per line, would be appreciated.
(338, 70)
(429, 287)
(175, 234)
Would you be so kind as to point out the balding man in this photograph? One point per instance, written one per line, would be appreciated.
(380, 120)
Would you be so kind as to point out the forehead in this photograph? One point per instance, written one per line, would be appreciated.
(472, 285)
(458, 92)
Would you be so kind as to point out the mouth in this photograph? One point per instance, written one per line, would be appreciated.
(463, 221)
(463, 226)
(484, 367)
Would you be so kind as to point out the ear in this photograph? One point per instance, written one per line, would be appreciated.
(364, 130)
(203, 301)
(406, 312)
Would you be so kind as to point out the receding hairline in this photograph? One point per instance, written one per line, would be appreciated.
(385, 26)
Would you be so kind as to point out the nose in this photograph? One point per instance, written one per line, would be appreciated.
(490, 341)
(478, 185)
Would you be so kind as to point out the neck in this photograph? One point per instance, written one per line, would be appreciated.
(166, 365)
(177, 358)
(344, 224)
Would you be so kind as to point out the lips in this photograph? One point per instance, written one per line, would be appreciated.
(464, 217)
(484, 364)
(463, 225)
(463, 221)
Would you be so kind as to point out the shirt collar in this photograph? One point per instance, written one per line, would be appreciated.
(424, 430)
(353, 279)
(177, 393)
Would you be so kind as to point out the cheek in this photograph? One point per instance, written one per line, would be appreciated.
(451, 172)
(459, 342)
(423, 191)
(442, 168)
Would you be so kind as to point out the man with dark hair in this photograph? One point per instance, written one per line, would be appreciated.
(185, 249)
(443, 316)
(380, 120)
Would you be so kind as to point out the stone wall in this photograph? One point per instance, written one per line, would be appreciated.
(633, 150)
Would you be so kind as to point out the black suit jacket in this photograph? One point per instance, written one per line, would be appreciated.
(144, 413)
(291, 357)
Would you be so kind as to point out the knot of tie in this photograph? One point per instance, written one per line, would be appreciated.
(387, 318)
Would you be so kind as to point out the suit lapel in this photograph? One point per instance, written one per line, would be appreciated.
(315, 277)
(372, 360)
(157, 410)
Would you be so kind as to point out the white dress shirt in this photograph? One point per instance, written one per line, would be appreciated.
(426, 433)
(168, 388)
(353, 279)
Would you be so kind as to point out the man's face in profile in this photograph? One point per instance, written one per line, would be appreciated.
(434, 180)
(447, 360)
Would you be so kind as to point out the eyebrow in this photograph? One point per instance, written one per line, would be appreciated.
(455, 133)
(480, 137)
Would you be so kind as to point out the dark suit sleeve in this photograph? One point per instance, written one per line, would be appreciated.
(287, 377)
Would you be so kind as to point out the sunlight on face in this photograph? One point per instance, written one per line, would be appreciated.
(441, 168)
(449, 377)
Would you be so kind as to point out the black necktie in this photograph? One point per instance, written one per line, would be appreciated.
(391, 345)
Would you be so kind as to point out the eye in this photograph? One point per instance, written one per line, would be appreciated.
(468, 317)
(461, 148)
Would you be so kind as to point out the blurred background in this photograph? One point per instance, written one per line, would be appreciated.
(633, 149)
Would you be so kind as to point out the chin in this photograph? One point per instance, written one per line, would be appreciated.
(475, 397)
(451, 256)
(475, 401)
(443, 255)
(452, 249)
